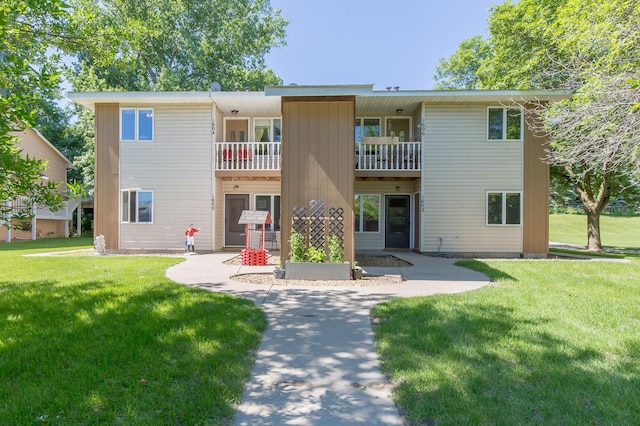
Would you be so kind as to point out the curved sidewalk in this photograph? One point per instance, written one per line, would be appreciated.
(317, 364)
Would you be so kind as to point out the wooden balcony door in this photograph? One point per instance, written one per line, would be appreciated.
(400, 127)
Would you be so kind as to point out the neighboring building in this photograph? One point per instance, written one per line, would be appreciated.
(45, 223)
(432, 171)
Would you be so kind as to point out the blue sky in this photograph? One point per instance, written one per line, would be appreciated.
(385, 43)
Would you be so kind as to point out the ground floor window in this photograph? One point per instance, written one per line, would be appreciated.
(367, 213)
(137, 206)
(504, 208)
(271, 204)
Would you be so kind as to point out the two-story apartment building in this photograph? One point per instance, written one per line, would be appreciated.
(432, 171)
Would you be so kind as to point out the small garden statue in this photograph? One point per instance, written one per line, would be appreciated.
(100, 245)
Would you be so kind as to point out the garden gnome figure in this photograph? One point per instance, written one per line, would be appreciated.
(100, 245)
(190, 233)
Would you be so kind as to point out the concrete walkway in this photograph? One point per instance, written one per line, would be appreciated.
(317, 364)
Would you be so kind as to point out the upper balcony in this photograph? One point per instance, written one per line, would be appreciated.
(237, 158)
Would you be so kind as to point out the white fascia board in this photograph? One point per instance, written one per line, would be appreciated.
(322, 90)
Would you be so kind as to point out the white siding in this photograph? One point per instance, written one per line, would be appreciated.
(177, 167)
(459, 167)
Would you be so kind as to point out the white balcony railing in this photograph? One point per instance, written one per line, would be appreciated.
(248, 156)
(404, 156)
(21, 206)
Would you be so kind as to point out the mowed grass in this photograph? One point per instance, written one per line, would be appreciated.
(111, 340)
(619, 232)
(551, 342)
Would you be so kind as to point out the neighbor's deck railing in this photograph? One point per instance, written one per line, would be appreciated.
(247, 155)
(403, 156)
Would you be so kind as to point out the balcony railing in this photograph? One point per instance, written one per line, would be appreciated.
(404, 156)
(248, 156)
(21, 207)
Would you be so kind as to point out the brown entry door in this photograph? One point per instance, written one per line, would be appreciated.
(236, 130)
(234, 233)
(398, 225)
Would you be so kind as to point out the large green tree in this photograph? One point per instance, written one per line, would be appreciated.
(589, 46)
(178, 44)
(31, 32)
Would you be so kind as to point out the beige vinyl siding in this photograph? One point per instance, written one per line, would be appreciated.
(177, 167)
(459, 167)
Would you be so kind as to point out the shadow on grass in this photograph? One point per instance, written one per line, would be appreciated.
(468, 363)
(101, 352)
(491, 272)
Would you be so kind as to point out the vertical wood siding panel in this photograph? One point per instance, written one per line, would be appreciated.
(536, 196)
(106, 192)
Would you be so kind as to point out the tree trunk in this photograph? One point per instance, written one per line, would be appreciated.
(593, 231)
(592, 201)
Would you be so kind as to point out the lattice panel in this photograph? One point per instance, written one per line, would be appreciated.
(299, 220)
(316, 223)
(336, 223)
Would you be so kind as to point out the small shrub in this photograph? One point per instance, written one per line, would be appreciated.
(336, 254)
(315, 255)
(298, 247)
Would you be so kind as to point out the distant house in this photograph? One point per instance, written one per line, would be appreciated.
(45, 223)
(432, 171)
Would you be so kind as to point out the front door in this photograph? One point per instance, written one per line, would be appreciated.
(398, 225)
(234, 233)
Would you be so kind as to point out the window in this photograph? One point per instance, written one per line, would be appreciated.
(136, 124)
(504, 124)
(503, 208)
(267, 129)
(367, 213)
(366, 127)
(271, 204)
(137, 206)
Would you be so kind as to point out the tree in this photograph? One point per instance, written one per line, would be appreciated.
(178, 44)
(588, 46)
(29, 32)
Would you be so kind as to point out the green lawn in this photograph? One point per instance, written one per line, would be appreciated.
(616, 231)
(551, 342)
(110, 340)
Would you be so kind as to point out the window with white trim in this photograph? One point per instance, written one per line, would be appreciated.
(504, 208)
(271, 204)
(367, 127)
(367, 213)
(267, 129)
(136, 124)
(504, 124)
(136, 206)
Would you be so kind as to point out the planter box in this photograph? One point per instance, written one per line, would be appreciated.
(317, 271)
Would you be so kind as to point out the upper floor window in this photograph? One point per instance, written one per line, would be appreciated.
(267, 129)
(136, 124)
(504, 123)
(504, 208)
(137, 206)
(367, 127)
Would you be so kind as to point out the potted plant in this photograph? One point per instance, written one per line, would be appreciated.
(278, 272)
(357, 271)
(308, 263)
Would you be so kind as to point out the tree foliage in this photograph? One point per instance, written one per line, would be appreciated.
(31, 32)
(178, 44)
(589, 46)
